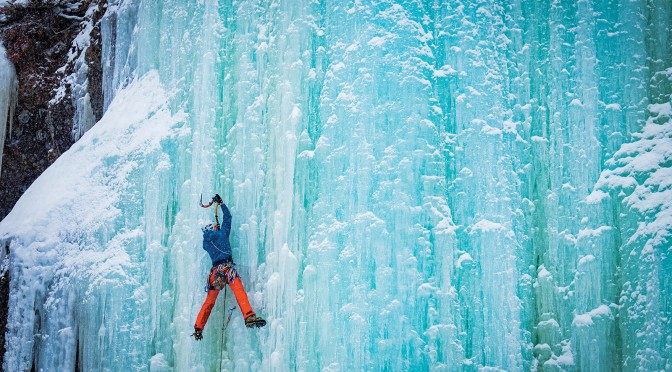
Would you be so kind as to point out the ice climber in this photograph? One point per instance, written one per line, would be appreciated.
(223, 271)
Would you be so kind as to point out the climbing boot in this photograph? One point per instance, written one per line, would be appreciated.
(254, 321)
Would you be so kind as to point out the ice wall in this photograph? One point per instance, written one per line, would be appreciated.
(415, 185)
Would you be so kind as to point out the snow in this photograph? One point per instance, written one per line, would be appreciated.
(613, 107)
(566, 358)
(544, 274)
(586, 259)
(589, 233)
(486, 226)
(486, 129)
(338, 66)
(587, 319)
(640, 167)
(13, 2)
(464, 257)
(376, 41)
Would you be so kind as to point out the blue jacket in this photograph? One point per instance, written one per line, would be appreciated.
(216, 242)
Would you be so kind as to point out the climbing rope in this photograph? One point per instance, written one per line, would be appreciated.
(225, 325)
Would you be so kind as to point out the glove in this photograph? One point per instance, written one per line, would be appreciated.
(198, 334)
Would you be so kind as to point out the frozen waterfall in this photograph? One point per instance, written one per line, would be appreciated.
(415, 185)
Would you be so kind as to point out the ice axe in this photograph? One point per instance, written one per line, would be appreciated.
(217, 200)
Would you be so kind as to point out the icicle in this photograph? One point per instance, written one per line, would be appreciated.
(8, 95)
(84, 117)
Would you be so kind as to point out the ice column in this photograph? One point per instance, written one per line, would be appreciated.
(380, 222)
(118, 53)
(644, 193)
(8, 86)
(484, 183)
(84, 118)
(585, 114)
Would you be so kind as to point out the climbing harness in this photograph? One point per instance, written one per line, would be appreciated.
(223, 274)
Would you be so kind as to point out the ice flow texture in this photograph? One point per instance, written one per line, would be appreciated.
(414, 185)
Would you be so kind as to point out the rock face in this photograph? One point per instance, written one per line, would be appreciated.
(55, 47)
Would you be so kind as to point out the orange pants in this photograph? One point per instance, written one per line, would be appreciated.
(241, 297)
